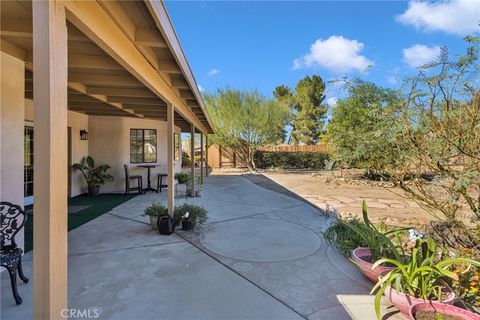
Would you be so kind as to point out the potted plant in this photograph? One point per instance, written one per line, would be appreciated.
(198, 192)
(434, 310)
(153, 211)
(375, 243)
(189, 215)
(184, 178)
(95, 177)
(419, 280)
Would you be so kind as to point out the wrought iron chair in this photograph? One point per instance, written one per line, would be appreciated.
(12, 221)
(128, 177)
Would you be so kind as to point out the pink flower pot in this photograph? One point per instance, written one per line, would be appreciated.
(403, 302)
(442, 308)
(365, 267)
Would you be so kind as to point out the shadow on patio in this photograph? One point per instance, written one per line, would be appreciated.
(260, 256)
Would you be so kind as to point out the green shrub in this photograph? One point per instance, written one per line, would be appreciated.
(183, 177)
(197, 214)
(291, 160)
(155, 209)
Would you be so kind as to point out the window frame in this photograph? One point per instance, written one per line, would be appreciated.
(142, 160)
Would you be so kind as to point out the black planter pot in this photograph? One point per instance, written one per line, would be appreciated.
(93, 190)
(166, 225)
(186, 225)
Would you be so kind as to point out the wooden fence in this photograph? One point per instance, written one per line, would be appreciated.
(289, 148)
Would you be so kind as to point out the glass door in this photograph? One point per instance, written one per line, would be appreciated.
(28, 166)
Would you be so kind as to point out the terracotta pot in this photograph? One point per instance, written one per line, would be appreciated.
(365, 267)
(154, 222)
(442, 308)
(403, 302)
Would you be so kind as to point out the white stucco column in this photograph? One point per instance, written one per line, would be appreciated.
(170, 159)
(192, 155)
(50, 167)
(202, 169)
(206, 155)
(12, 108)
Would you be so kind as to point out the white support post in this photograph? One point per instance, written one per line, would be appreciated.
(202, 169)
(206, 155)
(192, 155)
(50, 239)
(171, 159)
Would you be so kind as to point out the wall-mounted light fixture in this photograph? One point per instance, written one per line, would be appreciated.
(83, 135)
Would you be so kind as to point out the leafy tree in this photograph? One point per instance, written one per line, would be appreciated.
(246, 121)
(438, 133)
(360, 127)
(306, 103)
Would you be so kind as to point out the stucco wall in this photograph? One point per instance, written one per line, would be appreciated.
(12, 92)
(109, 142)
(76, 121)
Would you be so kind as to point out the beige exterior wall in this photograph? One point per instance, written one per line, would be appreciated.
(12, 92)
(77, 122)
(109, 142)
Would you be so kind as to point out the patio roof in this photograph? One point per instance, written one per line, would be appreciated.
(101, 80)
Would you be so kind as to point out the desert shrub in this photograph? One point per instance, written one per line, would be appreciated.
(291, 160)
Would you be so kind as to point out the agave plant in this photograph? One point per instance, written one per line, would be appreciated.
(421, 277)
(95, 177)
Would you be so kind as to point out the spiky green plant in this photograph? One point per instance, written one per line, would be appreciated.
(421, 277)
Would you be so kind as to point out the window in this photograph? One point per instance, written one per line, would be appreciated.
(143, 145)
(28, 162)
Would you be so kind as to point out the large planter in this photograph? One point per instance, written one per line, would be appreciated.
(442, 308)
(359, 256)
(403, 302)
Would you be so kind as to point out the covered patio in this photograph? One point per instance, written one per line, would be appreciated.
(260, 255)
(84, 75)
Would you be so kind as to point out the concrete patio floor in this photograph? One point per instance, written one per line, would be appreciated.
(259, 256)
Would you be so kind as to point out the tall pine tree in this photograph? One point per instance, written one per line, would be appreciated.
(306, 103)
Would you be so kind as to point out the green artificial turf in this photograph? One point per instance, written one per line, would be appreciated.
(98, 205)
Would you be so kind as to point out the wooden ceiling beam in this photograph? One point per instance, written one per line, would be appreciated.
(81, 88)
(179, 83)
(192, 103)
(93, 62)
(168, 67)
(137, 101)
(16, 27)
(186, 94)
(149, 38)
(121, 92)
(104, 79)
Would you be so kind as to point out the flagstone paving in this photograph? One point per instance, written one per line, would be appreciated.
(260, 255)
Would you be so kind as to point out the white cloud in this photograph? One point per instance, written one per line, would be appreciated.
(213, 72)
(419, 54)
(332, 101)
(200, 88)
(455, 16)
(337, 54)
(393, 80)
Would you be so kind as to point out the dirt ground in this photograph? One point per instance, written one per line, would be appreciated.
(385, 204)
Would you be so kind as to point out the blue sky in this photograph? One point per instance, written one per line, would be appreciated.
(259, 45)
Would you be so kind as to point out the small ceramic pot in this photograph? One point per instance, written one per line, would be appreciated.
(403, 302)
(154, 222)
(365, 267)
(442, 308)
